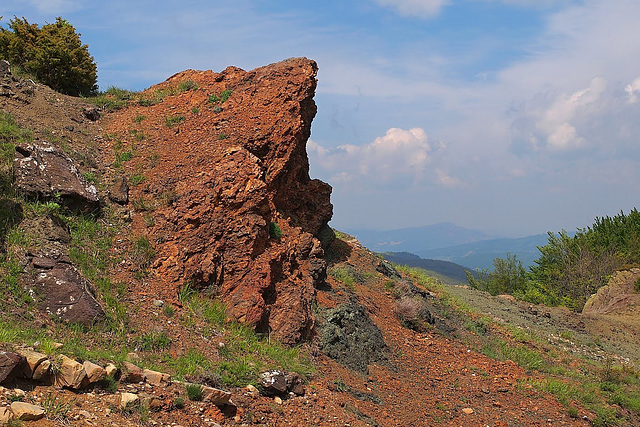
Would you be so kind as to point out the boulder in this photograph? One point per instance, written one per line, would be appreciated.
(350, 337)
(619, 296)
(26, 411)
(67, 295)
(33, 361)
(216, 226)
(11, 365)
(71, 374)
(44, 172)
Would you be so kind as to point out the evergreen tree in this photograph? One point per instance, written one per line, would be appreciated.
(54, 55)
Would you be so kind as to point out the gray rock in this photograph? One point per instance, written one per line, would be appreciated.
(92, 113)
(350, 337)
(44, 172)
(387, 269)
(67, 295)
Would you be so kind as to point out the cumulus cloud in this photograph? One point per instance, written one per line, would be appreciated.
(549, 121)
(417, 8)
(399, 153)
(600, 118)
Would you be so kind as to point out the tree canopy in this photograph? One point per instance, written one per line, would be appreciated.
(54, 55)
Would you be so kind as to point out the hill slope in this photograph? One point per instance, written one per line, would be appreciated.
(197, 228)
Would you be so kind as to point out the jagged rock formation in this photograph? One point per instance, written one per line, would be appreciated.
(235, 211)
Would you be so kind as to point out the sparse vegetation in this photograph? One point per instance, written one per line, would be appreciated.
(194, 392)
(171, 121)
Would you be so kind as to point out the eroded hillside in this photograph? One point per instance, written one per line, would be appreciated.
(210, 249)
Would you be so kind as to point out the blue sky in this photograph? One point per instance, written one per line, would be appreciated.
(510, 116)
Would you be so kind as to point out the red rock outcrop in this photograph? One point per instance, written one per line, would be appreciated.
(234, 210)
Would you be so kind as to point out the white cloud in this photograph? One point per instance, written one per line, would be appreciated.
(599, 121)
(398, 154)
(417, 8)
(447, 181)
(632, 90)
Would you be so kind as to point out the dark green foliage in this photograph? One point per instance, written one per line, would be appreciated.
(570, 268)
(53, 54)
(275, 231)
(507, 277)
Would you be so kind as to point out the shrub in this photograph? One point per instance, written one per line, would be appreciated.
(53, 54)
(409, 310)
(194, 392)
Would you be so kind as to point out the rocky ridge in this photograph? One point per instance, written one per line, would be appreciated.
(235, 213)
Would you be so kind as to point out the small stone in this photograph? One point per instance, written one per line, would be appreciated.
(215, 396)
(277, 400)
(127, 400)
(158, 303)
(253, 390)
(132, 373)
(19, 392)
(27, 412)
(467, 411)
(6, 416)
(111, 369)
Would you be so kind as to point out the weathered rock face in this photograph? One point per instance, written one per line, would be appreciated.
(230, 173)
(617, 297)
(45, 172)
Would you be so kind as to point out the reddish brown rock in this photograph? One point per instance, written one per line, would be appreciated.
(67, 295)
(11, 365)
(241, 166)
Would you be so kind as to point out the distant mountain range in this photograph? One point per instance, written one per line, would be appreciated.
(472, 249)
(446, 271)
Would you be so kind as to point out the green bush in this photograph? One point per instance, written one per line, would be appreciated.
(53, 55)
(194, 391)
